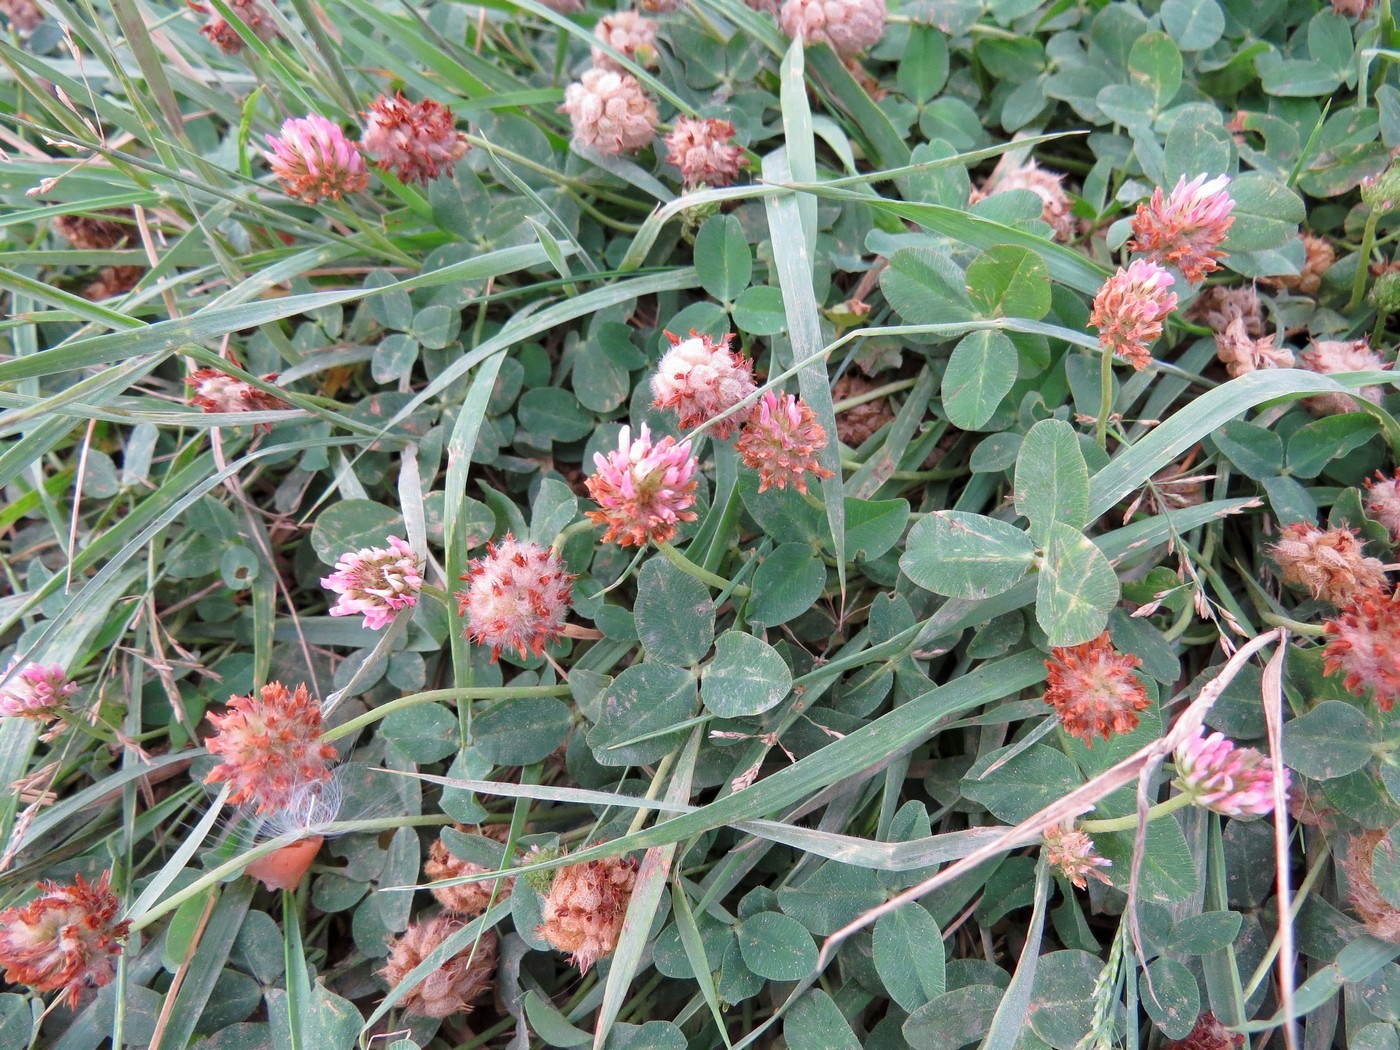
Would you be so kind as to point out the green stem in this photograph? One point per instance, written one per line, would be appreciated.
(872, 395)
(663, 770)
(432, 695)
(1105, 397)
(1368, 241)
(1307, 630)
(702, 574)
(1129, 822)
(569, 533)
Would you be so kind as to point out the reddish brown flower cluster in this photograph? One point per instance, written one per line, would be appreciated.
(1208, 1034)
(271, 747)
(1242, 353)
(95, 233)
(518, 597)
(221, 33)
(1319, 255)
(1330, 564)
(417, 141)
(781, 441)
(1364, 645)
(1093, 689)
(1130, 308)
(1382, 918)
(65, 940)
(466, 899)
(453, 986)
(704, 151)
(585, 907)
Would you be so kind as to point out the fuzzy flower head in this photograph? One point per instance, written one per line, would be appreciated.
(643, 489)
(221, 33)
(1364, 645)
(1186, 229)
(1093, 689)
(1328, 563)
(453, 986)
(1071, 853)
(1383, 502)
(1382, 919)
(38, 691)
(466, 899)
(417, 141)
(781, 440)
(704, 151)
(1130, 308)
(1221, 776)
(1208, 1034)
(1217, 306)
(585, 907)
(313, 160)
(216, 391)
(1242, 353)
(1045, 184)
(1331, 356)
(849, 26)
(65, 940)
(610, 111)
(628, 33)
(376, 583)
(271, 747)
(518, 597)
(1318, 257)
(699, 378)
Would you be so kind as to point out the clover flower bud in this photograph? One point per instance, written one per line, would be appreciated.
(375, 583)
(699, 378)
(1226, 778)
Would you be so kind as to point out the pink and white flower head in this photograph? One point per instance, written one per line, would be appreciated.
(1383, 501)
(1071, 853)
(417, 141)
(781, 440)
(1221, 776)
(610, 111)
(313, 159)
(1186, 229)
(849, 26)
(643, 489)
(1333, 356)
(630, 34)
(699, 378)
(66, 940)
(38, 691)
(1130, 308)
(217, 391)
(704, 151)
(518, 597)
(376, 583)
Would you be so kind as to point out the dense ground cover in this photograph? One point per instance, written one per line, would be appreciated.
(534, 525)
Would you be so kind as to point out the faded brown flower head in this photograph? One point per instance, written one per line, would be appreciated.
(1330, 564)
(113, 281)
(660, 7)
(630, 34)
(1093, 689)
(1217, 306)
(1318, 259)
(1242, 353)
(1382, 918)
(417, 141)
(1364, 644)
(95, 233)
(849, 26)
(857, 425)
(221, 33)
(704, 151)
(610, 111)
(1329, 357)
(65, 940)
(1353, 8)
(466, 899)
(1071, 853)
(1383, 502)
(1045, 184)
(451, 988)
(585, 907)
(271, 746)
(1208, 1034)
(24, 15)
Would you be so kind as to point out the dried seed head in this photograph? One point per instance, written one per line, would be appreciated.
(781, 440)
(630, 34)
(1383, 502)
(1185, 229)
(1045, 184)
(1208, 1034)
(113, 281)
(375, 583)
(466, 899)
(65, 940)
(1330, 564)
(857, 425)
(417, 141)
(271, 747)
(1328, 357)
(643, 489)
(1319, 255)
(1241, 353)
(24, 15)
(1382, 918)
(849, 26)
(1223, 777)
(221, 33)
(584, 909)
(704, 151)
(1364, 645)
(1130, 308)
(314, 160)
(1071, 853)
(699, 378)
(38, 691)
(94, 233)
(518, 597)
(1217, 306)
(610, 111)
(452, 987)
(1093, 689)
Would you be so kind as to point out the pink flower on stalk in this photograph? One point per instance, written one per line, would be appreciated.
(518, 597)
(643, 489)
(1186, 228)
(375, 583)
(417, 141)
(67, 939)
(610, 111)
(781, 441)
(704, 151)
(1130, 308)
(38, 691)
(699, 378)
(1221, 776)
(313, 159)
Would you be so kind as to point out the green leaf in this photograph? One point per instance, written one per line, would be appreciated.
(1052, 479)
(832, 896)
(352, 524)
(909, 956)
(555, 506)
(1208, 932)
(924, 67)
(1009, 281)
(759, 311)
(675, 616)
(1300, 78)
(777, 947)
(1253, 449)
(1331, 740)
(1329, 41)
(1077, 588)
(980, 374)
(424, 733)
(521, 730)
(723, 261)
(643, 699)
(547, 1022)
(1129, 105)
(1022, 784)
(786, 585)
(926, 287)
(966, 555)
(1194, 24)
(1385, 873)
(1312, 447)
(1062, 1006)
(746, 677)
(815, 1023)
(1155, 63)
(1171, 997)
(1169, 873)
(874, 526)
(436, 326)
(953, 1019)
(1267, 213)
